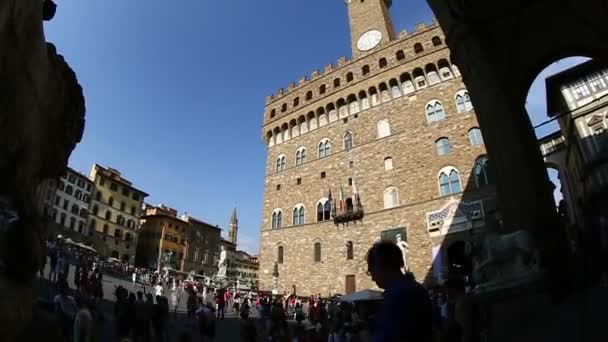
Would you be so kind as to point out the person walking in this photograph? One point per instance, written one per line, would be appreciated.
(84, 325)
(406, 312)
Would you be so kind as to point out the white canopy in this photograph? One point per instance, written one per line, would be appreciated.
(364, 295)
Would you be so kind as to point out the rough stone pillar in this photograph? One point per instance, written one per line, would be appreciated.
(525, 197)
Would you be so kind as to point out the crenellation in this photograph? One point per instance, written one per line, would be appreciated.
(304, 85)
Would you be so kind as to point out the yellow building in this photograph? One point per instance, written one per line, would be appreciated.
(162, 239)
(115, 211)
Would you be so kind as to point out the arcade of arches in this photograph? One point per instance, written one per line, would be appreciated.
(509, 43)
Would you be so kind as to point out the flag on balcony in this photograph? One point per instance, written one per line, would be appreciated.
(356, 202)
(342, 197)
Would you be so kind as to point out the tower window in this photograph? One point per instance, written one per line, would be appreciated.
(365, 70)
(434, 111)
(443, 146)
(349, 251)
(449, 182)
(309, 95)
(418, 48)
(436, 41)
(278, 187)
(350, 181)
(322, 89)
(349, 77)
(296, 101)
(336, 83)
(317, 248)
(475, 136)
(284, 107)
(322, 174)
(280, 255)
(388, 163)
(299, 181)
(348, 141)
(400, 55)
(382, 63)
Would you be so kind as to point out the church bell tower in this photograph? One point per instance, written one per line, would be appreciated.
(233, 227)
(370, 24)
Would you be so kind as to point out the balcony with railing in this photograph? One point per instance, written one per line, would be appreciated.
(351, 211)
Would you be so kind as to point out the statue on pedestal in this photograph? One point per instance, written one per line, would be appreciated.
(222, 263)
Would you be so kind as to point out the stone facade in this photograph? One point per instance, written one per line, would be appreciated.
(202, 246)
(115, 212)
(396, 83)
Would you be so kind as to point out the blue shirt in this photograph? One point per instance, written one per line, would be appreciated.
(406, 314)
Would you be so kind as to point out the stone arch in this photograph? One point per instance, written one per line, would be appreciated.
(269, 139)
(312, 121)
(293, 127)
(364, 100)
(444, 69)
(373, 95)
(418, 48)
(431, 74)
(353, 104)
(384, 93)
(278, 136)
(419, 79)
(302, 124)
(407, 85)
(322, 116)
(342, 108)
(332, 114)
(395, 88)
(285, 131)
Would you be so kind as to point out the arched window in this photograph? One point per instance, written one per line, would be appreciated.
(434, 111)
(391, 198)
(418, 48)
(309, 95)
(350, 255)
(463, 101)
(483, 176)
(436, 41)
(449, 181)
(284, 107)
(273, 113)
(296, 101)
(382, 63)
(78, 195)
(475, 136)
(110, 201)
(384, 128)
(324, 148)
(277, 219)
(365, 70)
(400, 55)
(317, 248)
(301, 156)
(92, 225)
(388, 163)
(348, 141)
(280, 165)
(108, 215)
(443, 146)
(69, 190)
(298, 215)
(336, 83)
(280, 254)
(322, 89)
(323, 210)
(349, 77)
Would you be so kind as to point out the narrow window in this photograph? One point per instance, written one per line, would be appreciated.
(317, 251)
(280, 254)
(322, 89)
(349, 251)
(348, 141)
(443, 146)
(296, 101)
(388, 163)
(309, 95)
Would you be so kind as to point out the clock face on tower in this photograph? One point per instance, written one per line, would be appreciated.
(369, 40)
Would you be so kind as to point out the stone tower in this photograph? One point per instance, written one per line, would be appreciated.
(233, 227)
(370, 24)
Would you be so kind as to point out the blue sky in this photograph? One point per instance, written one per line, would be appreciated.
(175, 90)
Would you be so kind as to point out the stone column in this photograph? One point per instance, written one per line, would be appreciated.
(525, 199)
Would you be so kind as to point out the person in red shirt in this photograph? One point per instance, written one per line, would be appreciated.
(221, 303)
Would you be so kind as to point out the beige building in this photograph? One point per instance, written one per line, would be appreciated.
(383, 146)
(202, 246)
(115, 211)
(242, 269)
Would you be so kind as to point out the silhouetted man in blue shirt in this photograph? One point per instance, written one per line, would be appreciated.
(406, 314)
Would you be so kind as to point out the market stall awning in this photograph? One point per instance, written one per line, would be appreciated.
(364, 295)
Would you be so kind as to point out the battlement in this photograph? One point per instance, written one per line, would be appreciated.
(343, 61)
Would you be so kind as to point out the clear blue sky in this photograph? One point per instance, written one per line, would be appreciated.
(175, 90)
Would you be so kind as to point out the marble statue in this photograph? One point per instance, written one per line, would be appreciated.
(504, 260)
(222, 263)
(404, 251)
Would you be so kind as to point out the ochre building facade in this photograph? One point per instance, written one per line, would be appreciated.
(393, 128)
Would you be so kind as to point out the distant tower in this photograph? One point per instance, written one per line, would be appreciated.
(233, 227)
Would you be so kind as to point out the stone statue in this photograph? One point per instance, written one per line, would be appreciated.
(222, 263)
(504, 260)
(42, 120)
(404, 251)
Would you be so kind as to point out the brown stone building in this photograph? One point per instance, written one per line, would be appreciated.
(202, 246)
(393, 135)
(114, 213)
